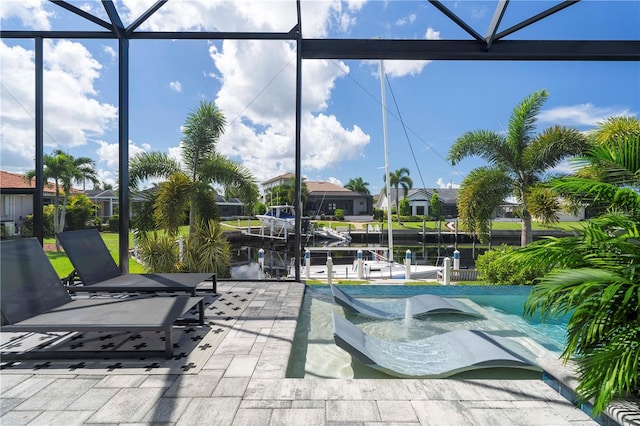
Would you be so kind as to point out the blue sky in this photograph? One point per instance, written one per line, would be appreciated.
(252, 82)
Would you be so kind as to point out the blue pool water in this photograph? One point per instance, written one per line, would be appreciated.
(316, 355)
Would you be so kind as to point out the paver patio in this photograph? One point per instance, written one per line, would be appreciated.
(243, 381)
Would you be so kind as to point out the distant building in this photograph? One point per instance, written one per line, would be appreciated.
(420, 204)
(107, 202)
(231, 208)
(420, 201)
(326, 198)
(284, 179)
(16, 200)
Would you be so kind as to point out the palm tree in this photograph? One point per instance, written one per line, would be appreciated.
(594, 276)
(517, 162)
(65, 171)
(608, 170)
(358, 185)
(189, 185)
(397, 179)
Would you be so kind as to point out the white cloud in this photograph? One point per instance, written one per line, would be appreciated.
(406, 20)
(580, 115)
(72, 113)
(444, 184)
(258, 98)
(176, 86)
(432, 34)
(334, 180)
(257, 81)
(175, 153)
(31, 13)
(107, 176)
(395, 69)
(110, 51)
(238, 15)
(109, 153)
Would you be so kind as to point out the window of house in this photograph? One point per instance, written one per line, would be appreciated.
(5, 205)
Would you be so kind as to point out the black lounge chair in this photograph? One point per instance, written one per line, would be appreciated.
(439, 356)
(420, 305)
(98, 271)
(35, 300)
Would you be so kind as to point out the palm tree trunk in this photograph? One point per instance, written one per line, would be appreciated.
(56, 217)
(192, 214)
(527, 233)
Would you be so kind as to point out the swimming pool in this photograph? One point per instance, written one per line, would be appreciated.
(315, 354)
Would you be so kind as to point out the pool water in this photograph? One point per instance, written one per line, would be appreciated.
(315, 354)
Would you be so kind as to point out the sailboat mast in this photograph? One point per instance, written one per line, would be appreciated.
(386, 159)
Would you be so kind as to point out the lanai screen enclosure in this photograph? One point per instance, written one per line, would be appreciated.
(495, 45)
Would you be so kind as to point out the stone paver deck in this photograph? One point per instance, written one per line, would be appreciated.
(244, 383)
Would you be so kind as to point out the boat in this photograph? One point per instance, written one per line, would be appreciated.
(332, 234)
(278, 218)
(279, 222)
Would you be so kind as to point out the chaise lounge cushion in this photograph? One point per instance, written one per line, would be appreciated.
(438, 356)
(35, 300)
(420, 305)
(98, 271)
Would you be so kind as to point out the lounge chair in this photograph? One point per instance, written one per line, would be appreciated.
(35, 300)
(420, 305)
(98, 271)
(438, 356)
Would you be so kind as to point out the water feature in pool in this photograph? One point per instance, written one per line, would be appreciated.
(315, 354)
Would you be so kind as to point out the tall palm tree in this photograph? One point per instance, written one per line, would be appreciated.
(65, 170)
(189, 185)
(517, 161)
(358, 185)
(397, 179)
(594, 276)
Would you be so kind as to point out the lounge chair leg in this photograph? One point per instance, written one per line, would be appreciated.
(201, 311)
(168, 343)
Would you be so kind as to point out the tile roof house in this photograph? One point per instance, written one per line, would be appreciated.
(326, 197)
(420, 200)
(16, 200)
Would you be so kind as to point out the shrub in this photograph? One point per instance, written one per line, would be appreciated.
(207, 250)
(27, 226)
(79, 210)
(158, 252)
(114, 223)
(339, 214)
(404, 207)
(496, 267)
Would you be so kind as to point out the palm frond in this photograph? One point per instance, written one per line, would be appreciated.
(201, 131)
(147, 165)
(481, 192)
(523, 121)
(171, 202)
(489, 145)
(551, 146)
